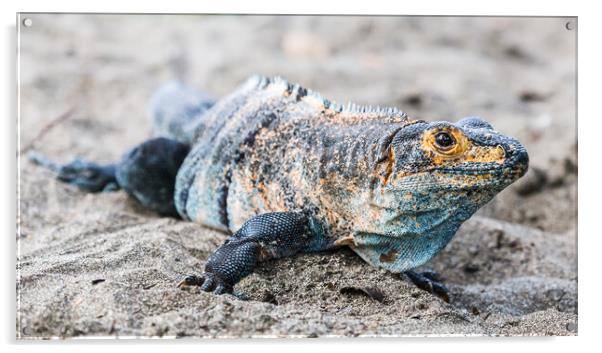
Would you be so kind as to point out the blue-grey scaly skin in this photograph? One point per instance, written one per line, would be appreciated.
(372, 178)
(287, 171)
(176, 110)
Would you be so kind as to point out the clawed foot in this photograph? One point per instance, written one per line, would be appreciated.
(430, 282)
(208, 282)
(87, 176)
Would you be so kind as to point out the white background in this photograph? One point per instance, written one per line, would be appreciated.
(590, 146)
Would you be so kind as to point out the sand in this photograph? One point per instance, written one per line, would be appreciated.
(100, 265)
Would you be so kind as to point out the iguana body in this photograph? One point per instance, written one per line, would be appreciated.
(287, 171)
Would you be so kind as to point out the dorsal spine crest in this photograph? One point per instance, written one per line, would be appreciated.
(298, 92)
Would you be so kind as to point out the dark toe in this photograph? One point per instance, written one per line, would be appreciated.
(191, 280)
(441, 291)
(432, 275)
(221, 288)
(425, 285)
(88, 176)
(426, 282)
(209, 284)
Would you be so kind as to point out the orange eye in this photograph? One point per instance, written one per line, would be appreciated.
(446, 143)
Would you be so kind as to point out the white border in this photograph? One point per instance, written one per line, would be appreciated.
(588, 128)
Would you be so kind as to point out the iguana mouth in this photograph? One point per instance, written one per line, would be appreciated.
(493, 170)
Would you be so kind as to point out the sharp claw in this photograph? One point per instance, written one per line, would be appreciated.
(191, 280)
(208, 283)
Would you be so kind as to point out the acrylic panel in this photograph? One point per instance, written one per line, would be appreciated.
(184, 127)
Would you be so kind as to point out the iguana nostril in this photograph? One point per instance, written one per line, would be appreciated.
(505, 151)
(521, 158)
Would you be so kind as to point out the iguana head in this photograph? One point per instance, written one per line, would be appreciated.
(434, 176)
(468, 157)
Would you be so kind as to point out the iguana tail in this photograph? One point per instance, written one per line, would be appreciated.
(176, 110)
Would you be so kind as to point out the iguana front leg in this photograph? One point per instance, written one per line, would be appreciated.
(86, 175)
(263, 237)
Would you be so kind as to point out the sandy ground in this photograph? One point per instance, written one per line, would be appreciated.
(101, 265)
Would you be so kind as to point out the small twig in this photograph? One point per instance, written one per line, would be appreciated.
(46, 128)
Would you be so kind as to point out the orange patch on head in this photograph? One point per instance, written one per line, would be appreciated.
(440, 154)
(462, 150)
(485, 154)
(389, 166)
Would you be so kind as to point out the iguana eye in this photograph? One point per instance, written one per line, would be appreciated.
(444, 140)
